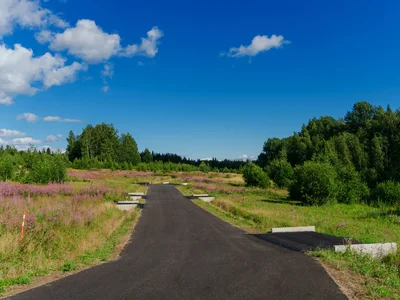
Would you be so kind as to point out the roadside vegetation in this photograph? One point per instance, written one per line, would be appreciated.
(68, 225)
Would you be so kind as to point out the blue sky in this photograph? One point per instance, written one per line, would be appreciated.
(187, 87)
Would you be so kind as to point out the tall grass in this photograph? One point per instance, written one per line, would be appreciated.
(63, 222)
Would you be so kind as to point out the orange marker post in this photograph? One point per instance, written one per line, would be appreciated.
(22, 227)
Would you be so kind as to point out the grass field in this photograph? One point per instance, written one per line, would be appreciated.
(68, 226)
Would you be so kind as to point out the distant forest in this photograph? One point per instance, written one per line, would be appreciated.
(102, 146)
(366, 139)
(351, 159)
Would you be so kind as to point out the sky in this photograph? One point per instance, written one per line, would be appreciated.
(198, 78)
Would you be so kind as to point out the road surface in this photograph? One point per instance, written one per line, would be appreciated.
(179, 251)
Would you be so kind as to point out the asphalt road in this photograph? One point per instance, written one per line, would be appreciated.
(179, 251)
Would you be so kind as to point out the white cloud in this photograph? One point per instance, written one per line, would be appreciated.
(108, 70)
(260, 43)
(3, 142)
(29, 117)
(59, 119)
(44, 36)
(4, 99)
(87, 41)
(63, 75)
(243, 157)
(206, 159)
(26, 14)
(148, 47)
(21, 73)
(53, 138)
(24, 141)
(11, 133)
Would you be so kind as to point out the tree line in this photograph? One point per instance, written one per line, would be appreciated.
(350, 159)
(102, 146)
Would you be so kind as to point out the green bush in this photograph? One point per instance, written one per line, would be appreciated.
(46, 168)
(281, 172)
(388, 193)
(351, 188)
(253, 175)
(7, 167)
(203, 167)
(314, 183)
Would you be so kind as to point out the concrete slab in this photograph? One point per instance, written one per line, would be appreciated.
(127, 205)
(185, 183)
(207, 199)
(135, 194)
(294, 229)
(134, 198)
(128, 202)
(165, 182)
(200, 195)
(375, 250)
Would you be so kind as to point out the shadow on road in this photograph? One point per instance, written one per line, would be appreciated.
(303, 241)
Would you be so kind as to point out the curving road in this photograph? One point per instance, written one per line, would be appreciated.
(179, 251)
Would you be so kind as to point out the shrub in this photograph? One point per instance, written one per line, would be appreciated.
(281, 172)
(7, 167)
(47, 169)
(314, 183)
(203, 167)
(387, 192)
(253, 175)
(351, 188)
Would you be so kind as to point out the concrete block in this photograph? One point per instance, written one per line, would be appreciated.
(294, 229)
(185, 183)
(128, 202)
(134, 198)
(135, 194)
(207, 199)
(375, 250)
(200, 195)
(165, 182)
(127, 205)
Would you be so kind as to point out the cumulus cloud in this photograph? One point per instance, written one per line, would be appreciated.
(87, 41)
(22, 73)
(105, 88)
(148, 46)
(24, 141)
(260, 43)
(29, 117)
(26, 14)
(59, 119)
(53, 138)
(44, 36)
(5, 99)
(11, 133)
